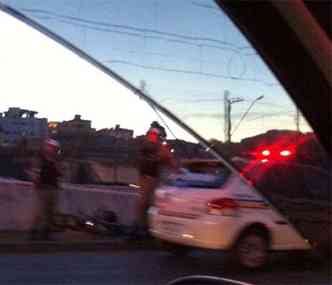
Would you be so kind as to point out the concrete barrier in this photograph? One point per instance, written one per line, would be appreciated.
(18, 202)
(102, 172)
(17, 205)
(75, 199)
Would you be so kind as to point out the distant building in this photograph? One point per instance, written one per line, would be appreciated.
(3, 139)
(17, 123)
(75, 127)
(117, 132)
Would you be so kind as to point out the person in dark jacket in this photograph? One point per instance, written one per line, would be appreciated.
(154, 156)
(46, 186)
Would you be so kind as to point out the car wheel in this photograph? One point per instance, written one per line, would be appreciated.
(175, 249)
(252, 249)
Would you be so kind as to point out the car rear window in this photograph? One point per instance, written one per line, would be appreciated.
(203, 176)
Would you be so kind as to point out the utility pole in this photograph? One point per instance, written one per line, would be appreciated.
(228, 114)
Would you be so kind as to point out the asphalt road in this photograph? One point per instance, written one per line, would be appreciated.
(147, 267)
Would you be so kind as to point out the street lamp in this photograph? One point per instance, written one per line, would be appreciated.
(228, 109)
(246, 112)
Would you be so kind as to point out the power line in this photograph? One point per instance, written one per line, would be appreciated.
(270, 104)
(132, 34)
(229, 63)
(202, 115)
(183, 71)
(131, 28)
(200, 100)
(174, 41)
(218, 115)
(164, 55)
(104, 24)
(78, 19)
(271, 115)
(195, 92)
(108, 30)
(205, 6)
(151, 67)
(102, 29)
(164, 122)
(200, 46)
(143, 89)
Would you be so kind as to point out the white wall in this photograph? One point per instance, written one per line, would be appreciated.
(18, 202)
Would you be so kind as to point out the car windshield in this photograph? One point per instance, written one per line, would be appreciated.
(104, 103)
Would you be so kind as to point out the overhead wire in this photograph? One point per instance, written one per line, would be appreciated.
(102, 29)
(190, 72)
(270, 104)
(159, 115)
(163, 121)
(205, 6)
(229, 63)
(132, 28)
(270, 115)
(144, 36)
(162, 55)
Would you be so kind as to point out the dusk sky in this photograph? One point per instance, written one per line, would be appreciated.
(188, 54)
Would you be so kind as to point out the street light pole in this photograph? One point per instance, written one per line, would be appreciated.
(246, 112)
(227, 112)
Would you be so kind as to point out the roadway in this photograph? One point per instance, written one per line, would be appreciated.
(146, 266)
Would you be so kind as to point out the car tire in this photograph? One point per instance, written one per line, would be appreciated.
(174, 249)
(252, 249)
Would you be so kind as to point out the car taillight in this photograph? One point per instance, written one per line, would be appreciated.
(222, 206)
(275, 153)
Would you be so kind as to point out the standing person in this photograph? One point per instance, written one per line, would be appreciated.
(46, 186)
(153, 157)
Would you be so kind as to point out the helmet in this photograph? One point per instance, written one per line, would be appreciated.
(50, 148)
(153, 135)
(162, 131)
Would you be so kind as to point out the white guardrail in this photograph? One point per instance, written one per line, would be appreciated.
(18, 202)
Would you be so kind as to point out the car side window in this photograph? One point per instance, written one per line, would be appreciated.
(187, 57)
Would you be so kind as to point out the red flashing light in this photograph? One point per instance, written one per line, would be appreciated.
(285, 153)
(274, 153)
(266, 152)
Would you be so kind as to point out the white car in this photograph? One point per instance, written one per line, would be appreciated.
(207, 206)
